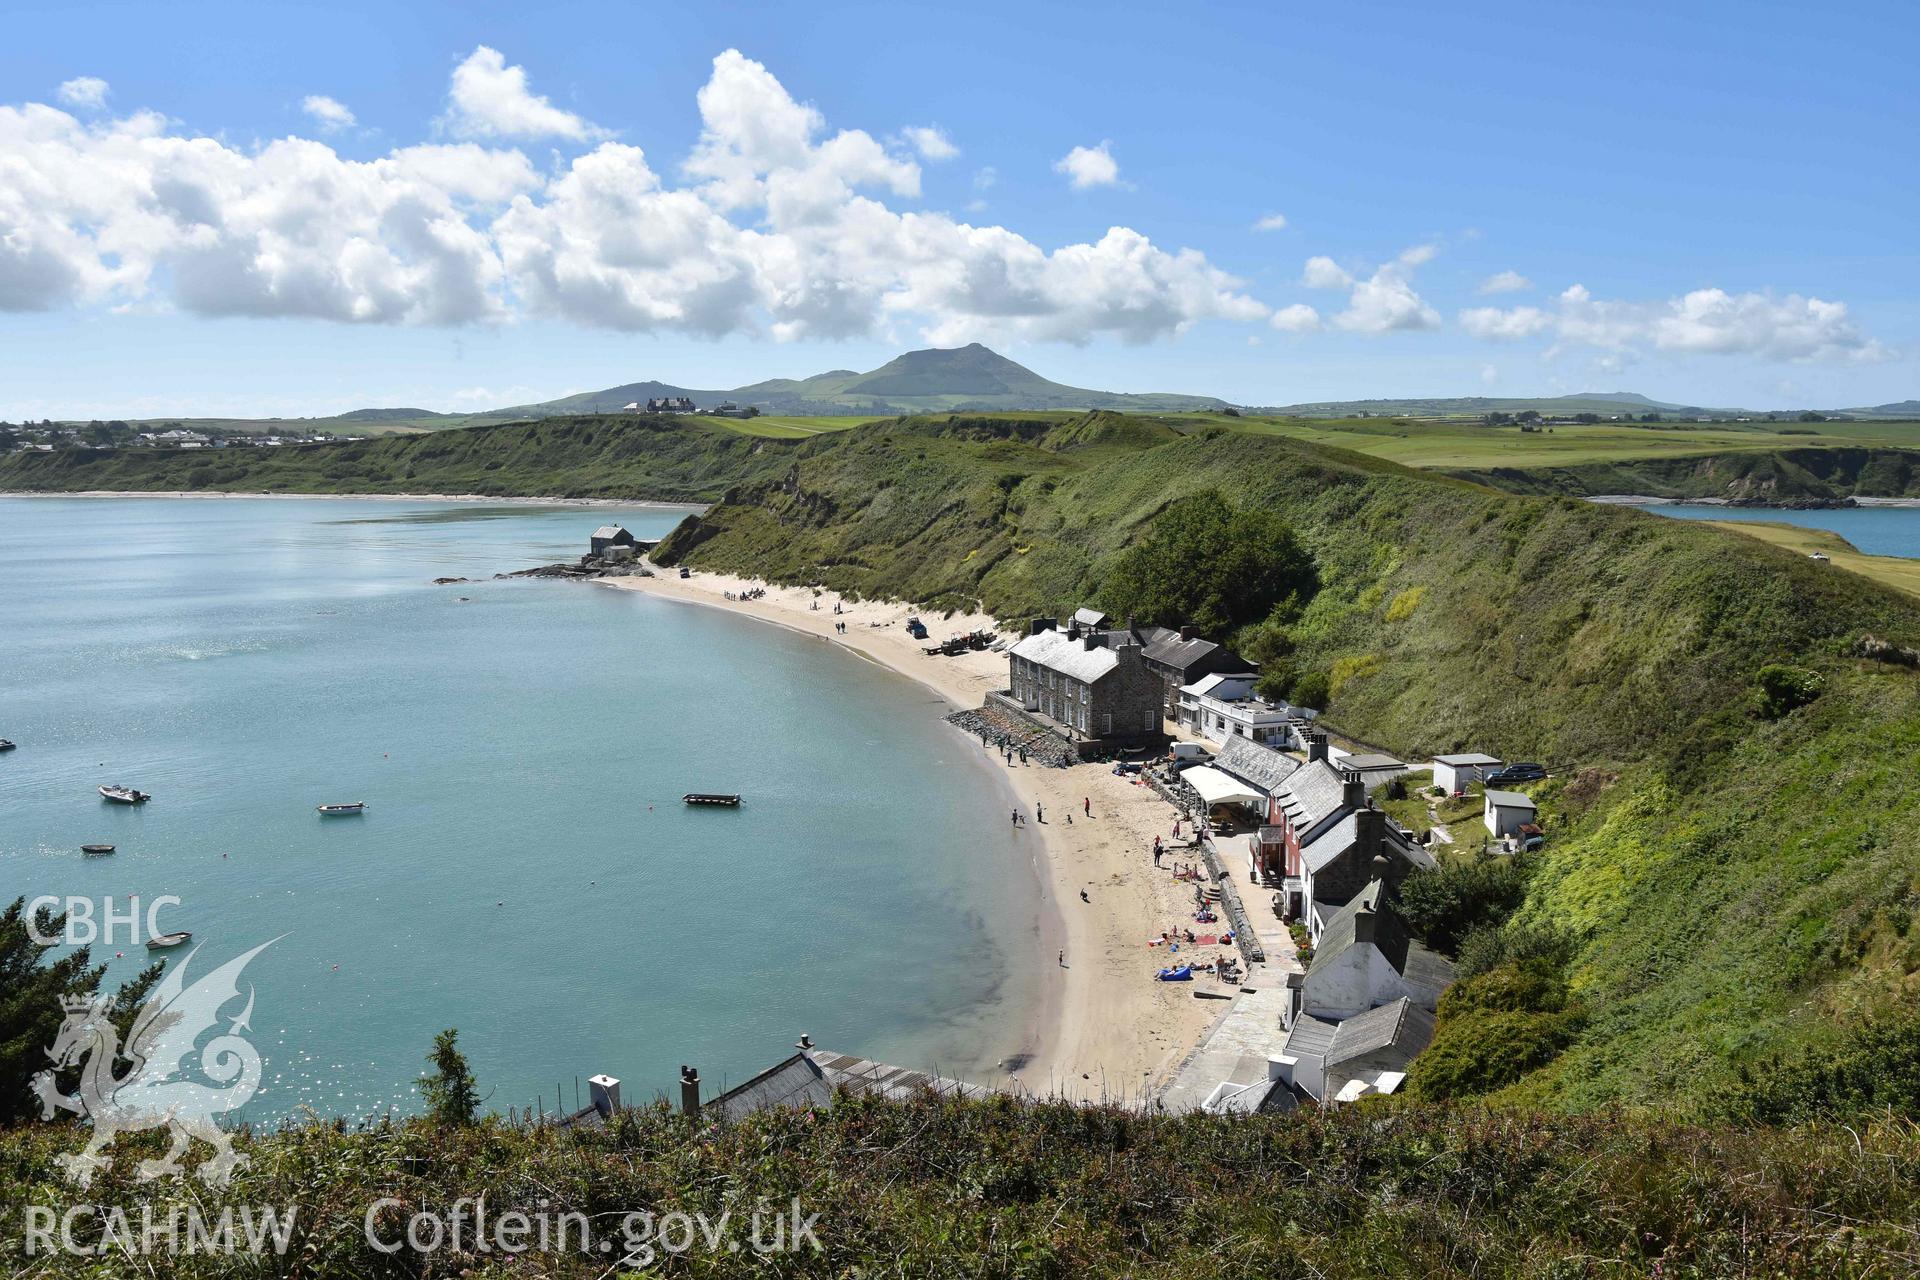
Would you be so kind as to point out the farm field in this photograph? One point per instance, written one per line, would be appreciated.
(1894, 571)
(1468, 446)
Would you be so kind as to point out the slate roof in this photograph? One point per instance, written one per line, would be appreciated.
(1469, 758)
(1053, 650)
(1256, 764)
(1402, 1027)
(1509, 800)
(1090, 617)
(1312, 794)
(1206, 684)
(1373, 760)
(811, 1077)
(609, 531)
(1310, 1037)
(1170, 650)
(1337, 839)
(1390, 934)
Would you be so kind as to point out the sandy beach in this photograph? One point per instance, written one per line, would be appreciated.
(1103, 1027)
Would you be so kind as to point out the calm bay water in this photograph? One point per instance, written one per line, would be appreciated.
(526, 870)
(1878, 531)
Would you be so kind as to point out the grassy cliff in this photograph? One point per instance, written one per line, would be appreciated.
(1768, 476)
(659, 459)
(1735, 881)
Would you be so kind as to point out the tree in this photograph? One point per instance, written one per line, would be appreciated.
(1811, 416)
(453, 1095)
(31, 989)
(1210, 564)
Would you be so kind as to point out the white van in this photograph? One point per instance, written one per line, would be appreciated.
(1190, 752)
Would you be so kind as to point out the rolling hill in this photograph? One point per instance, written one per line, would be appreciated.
(971, 378)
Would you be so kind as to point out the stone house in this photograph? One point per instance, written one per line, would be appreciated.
(608, 535)
(1089, 685)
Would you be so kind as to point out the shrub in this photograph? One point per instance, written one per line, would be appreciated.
(1444, 907)
(1211, 564)
(1782, 689)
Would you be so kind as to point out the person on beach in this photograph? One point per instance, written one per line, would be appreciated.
(1084, 897)
(1063, 959)
(1086, 806)
(1039, 812)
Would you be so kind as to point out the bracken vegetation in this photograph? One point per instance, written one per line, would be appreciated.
(999, 1188)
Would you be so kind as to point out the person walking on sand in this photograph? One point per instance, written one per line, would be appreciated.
(1086, 806)
(1039, 812)
(1063, 959)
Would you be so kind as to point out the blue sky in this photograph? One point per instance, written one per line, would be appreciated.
(1712, 203)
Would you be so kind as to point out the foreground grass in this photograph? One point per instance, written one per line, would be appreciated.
(998, 1188)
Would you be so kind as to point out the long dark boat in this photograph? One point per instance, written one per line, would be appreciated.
(341, 810)
(711, 797)
(96, 850)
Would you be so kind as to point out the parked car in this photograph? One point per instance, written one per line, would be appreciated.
(1520, 771)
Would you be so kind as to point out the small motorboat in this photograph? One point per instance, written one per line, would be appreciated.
(710, 797)
(6, 745)
(124, 795)
(96, 850)
(163, 941)
(341, 810)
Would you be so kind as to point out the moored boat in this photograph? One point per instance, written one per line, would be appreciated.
(96, 850)
(340, 810)
(6, 745)
(124, 795)
(165, 940)
(711, 797)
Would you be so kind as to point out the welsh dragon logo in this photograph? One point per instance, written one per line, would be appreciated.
(154, 1092)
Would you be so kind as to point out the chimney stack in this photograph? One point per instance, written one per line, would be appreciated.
(1353, 789)
(604, 1091)
(689, 1091)
(1036, 625)
(804, 1043)
(1091, 640)
(1188, 631)
(1363, 925)
(1316, 746)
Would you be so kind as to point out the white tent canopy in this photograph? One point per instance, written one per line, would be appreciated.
(1216, 787)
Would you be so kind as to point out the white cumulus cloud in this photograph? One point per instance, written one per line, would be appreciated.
(1298, 318)
(931, 142)
(329, 113)
(779, 226)
(1505, 282)
(1385, 301)
(1322, 272)
(1089, 167)
(84, 91)
(489, 99)
(1496, 325)
(1789, 328)
(1271, 222)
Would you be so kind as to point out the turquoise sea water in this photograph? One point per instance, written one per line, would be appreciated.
(526, 871)
(1879, 531)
